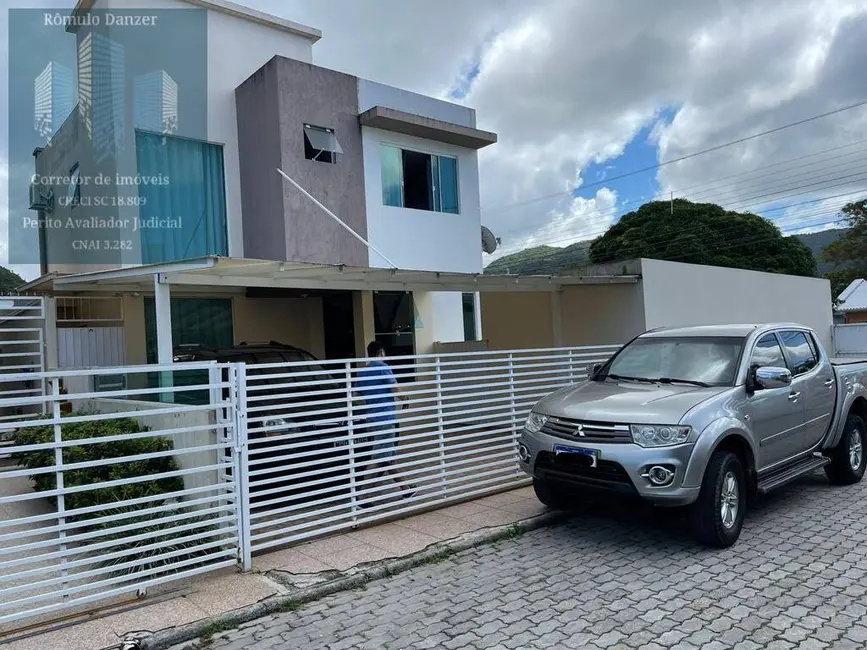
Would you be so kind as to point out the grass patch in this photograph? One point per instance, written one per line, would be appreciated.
(439, 556)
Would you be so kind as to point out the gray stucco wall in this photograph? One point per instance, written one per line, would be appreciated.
(279, 222)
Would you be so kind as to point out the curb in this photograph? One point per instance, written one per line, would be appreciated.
(353, 579)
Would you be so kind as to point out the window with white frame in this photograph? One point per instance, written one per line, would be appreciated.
(417, 180)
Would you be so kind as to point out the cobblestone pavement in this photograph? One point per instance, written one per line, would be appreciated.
(617, 578)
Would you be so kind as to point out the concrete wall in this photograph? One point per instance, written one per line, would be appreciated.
(421, 239)
(372, 94)
(604, 314)
(518, 320)
(688, 294)
(70, 146)
(282, 224)
(294, 321)
(189, 440)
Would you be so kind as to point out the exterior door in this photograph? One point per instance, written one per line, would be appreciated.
(814, 378)
(777, 415)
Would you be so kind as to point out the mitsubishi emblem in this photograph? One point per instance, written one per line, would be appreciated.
(580, 430)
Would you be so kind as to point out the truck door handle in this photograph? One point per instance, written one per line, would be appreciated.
(829, 382)
(794, 397)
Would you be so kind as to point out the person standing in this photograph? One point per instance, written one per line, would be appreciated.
(378, 387)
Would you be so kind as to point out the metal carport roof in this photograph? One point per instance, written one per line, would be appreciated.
(240, 273)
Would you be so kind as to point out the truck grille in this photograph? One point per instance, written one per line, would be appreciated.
(568, 468)
(584, 431)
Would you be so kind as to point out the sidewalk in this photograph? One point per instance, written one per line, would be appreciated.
(276, 573)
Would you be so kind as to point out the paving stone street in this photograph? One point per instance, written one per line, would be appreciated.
(623, 577)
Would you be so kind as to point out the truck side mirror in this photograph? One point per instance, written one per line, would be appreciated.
(769, 378)
(593, 370)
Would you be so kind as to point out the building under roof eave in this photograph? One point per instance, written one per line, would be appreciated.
(82, 7)
(247, 273)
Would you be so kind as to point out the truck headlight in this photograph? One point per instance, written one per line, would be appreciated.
(535, 422)
(647, 435)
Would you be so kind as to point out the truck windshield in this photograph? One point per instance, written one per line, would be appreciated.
(711, 361)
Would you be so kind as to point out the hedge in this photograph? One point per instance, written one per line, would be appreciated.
(100, 451)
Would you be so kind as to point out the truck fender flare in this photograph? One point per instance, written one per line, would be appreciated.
(707, 443)
(850, 402)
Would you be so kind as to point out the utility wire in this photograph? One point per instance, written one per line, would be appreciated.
(690, 155)
(742, 205)
(680, 191)
(796, 221)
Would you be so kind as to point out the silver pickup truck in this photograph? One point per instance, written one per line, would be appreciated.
(701, 417)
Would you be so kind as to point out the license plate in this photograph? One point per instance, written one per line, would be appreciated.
(592, 454)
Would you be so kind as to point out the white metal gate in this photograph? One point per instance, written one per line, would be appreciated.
(22, 354)
(127, 491)
(314, 435)
(194, 467)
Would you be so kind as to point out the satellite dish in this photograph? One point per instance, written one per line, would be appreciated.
(489, 242)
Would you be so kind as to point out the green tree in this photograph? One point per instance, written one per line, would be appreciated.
(703, 233)
(9, 281)
(848, 255)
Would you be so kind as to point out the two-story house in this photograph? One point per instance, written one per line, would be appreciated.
(398, 168)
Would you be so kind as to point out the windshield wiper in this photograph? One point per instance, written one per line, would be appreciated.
(625, 378)
(669, 380)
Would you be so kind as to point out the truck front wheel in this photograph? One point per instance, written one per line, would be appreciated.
(847, 458)
(550, 495)
(718, 515)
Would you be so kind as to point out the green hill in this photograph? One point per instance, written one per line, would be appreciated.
(551, 260)
(542, 260)
(816, 241)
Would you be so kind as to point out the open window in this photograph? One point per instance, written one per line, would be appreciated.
(320, 144)
(420, 181)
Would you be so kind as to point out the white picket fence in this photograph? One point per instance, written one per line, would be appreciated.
(194, 467)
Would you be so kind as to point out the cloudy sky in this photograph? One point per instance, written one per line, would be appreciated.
(583, 92)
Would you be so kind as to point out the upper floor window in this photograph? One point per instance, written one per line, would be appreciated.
(74, 192)
(321, 144)
(422, 181)
(182, 207)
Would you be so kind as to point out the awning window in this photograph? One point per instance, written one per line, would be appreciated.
(320, 144)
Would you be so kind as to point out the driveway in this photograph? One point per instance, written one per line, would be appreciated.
(616, 578)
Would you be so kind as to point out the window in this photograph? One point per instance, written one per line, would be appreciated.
(203, 321)
(195, 321)
(469, 304)
(768, 353)
(186, 208)
(800, 352)
(320, 144)
(74, 194)
(421, 181)
(394, 326)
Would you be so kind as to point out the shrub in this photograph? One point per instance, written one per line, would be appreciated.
(159, 539)
(100, 451)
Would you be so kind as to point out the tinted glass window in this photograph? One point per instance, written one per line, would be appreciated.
(768, 353)
(800, 352)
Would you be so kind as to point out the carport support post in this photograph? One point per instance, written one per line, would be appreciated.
(163, 304)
